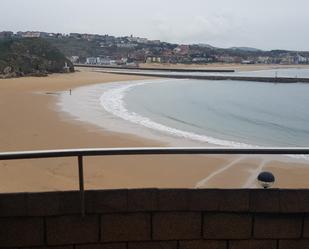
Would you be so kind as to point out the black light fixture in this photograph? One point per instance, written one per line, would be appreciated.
(266, 179)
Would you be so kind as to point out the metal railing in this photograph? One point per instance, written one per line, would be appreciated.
(80, 153)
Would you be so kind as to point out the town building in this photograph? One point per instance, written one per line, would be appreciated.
(31, 34)
(6, 34)
(151, 59)
(74, 59)
(92, 60)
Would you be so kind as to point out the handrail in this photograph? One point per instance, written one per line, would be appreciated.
(80, 153)
(151, 151)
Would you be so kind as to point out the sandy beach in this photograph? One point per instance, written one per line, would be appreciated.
(30, 120)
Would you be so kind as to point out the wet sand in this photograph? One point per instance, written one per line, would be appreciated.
(30, 120)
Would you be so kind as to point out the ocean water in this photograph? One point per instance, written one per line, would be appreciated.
(223, 113)
(228, 113)
(283, 72)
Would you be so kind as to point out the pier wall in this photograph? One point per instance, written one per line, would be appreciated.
(157, 219)
(158, 69)
(215, 77)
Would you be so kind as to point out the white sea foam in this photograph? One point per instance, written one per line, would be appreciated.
(113, 102)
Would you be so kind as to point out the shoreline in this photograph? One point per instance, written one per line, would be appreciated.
(91, 98)
(110, 114)
(30, 122)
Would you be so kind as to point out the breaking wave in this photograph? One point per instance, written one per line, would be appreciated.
(113, 102)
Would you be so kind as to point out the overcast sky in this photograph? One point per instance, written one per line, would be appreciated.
(265, 24)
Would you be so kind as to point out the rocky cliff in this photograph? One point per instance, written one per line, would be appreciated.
(31, 57)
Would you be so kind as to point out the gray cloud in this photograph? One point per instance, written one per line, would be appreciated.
(264, 24)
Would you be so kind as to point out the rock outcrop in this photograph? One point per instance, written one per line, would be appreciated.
(31, 57)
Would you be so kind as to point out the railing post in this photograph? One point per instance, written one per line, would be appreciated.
(81, 184)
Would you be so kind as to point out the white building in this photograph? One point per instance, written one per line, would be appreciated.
(301, 59)
(31, 34)
(201, 60)
(126, 45)
(138, 39)
(151, 59)
(74, 59)
(92, 60)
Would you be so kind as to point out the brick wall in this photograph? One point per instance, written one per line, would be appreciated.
(157, 219)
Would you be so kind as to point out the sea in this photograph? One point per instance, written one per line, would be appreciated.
(184, 112)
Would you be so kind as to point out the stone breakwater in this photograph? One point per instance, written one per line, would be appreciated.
(216, 77)
(160, 69)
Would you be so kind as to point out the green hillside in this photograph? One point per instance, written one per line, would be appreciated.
(30, 56)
